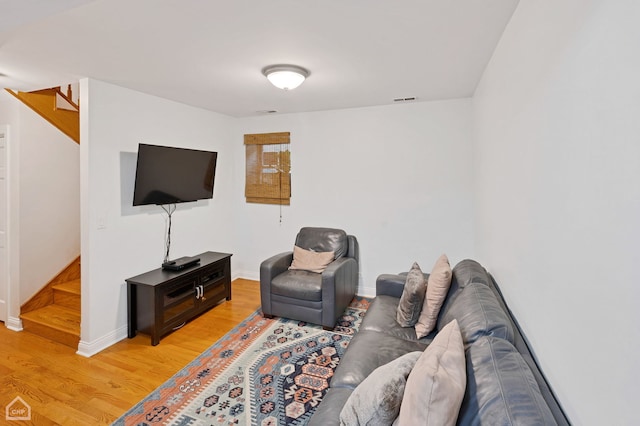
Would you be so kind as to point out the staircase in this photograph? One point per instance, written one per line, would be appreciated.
(54, 312)
(56, 107)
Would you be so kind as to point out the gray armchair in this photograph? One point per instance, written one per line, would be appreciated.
(319, 298)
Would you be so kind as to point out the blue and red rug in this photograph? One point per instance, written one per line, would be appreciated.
(267, 372)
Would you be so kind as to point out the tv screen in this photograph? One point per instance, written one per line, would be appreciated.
(168, 175)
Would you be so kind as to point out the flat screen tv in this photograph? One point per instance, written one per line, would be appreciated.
(168, 175)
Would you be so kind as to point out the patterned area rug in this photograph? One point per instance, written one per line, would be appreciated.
(263, 372)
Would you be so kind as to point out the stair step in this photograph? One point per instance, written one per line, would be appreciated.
(72, 287)
(67, 294)
(55, 322)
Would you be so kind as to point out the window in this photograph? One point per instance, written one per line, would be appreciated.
(268, 168)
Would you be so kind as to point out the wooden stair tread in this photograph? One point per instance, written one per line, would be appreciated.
(54, 312)
(72, 287)
(56, 317)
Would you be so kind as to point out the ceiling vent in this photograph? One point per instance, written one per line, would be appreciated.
(408, 99)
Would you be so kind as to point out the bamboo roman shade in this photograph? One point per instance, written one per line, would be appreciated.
(268, 168)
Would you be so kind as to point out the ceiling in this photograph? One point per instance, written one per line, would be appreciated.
(210, 54)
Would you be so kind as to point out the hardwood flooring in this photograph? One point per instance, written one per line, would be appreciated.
(63, 388)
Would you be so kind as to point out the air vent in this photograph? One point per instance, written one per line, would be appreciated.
(408, 99)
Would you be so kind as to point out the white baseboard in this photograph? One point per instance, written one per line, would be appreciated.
(247, 275)
(88, 349)
(14, 324)
(366, 291)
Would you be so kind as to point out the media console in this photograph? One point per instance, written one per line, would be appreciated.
(163, 300)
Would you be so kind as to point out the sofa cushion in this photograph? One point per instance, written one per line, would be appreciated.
(479, 313)
(376, 401)
(309, 260)
(501, 389)
(469, 271)
(437, 289)
(464, 273)
(367, 351)
(436, 384)
(381, 317)
(412, 297)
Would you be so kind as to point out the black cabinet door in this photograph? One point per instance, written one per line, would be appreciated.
(178, 300)
(214, 285)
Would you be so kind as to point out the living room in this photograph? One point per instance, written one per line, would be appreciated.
(535, 176)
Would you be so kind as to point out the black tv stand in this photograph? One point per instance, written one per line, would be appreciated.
(161, 300)
(180, 263)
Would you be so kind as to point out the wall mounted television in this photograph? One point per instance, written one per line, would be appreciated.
(169, 175)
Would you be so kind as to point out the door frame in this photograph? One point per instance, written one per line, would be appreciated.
(4, 226)
(12, 296)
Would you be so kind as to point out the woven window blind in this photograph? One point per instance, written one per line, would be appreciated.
(268, 168)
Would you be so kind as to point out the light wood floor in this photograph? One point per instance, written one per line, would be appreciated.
(63, 388)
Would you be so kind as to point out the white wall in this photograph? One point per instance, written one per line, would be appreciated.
(118, 240)
(558, 195)
(45, 190)
(49, 202)
(397, 177)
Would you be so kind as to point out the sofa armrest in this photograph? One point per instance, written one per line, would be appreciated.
(275, 265)
(328, 412)
(390, 285)
(269, 269)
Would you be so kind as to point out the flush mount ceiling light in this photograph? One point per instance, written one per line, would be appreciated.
(285, 77)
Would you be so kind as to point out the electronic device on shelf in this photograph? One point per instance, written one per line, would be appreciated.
(180, 263)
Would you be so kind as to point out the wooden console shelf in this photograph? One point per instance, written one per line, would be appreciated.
(161, 301)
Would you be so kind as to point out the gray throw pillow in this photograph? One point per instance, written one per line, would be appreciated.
(412, 297)
(376, 401)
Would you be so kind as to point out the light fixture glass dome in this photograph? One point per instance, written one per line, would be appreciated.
(285, 77)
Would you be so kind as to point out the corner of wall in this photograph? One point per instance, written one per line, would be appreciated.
(88, 349)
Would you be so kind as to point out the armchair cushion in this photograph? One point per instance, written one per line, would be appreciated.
(303, 285)
(323, 240)
(309, 260)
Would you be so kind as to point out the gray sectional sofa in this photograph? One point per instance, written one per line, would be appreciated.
(504, 384)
